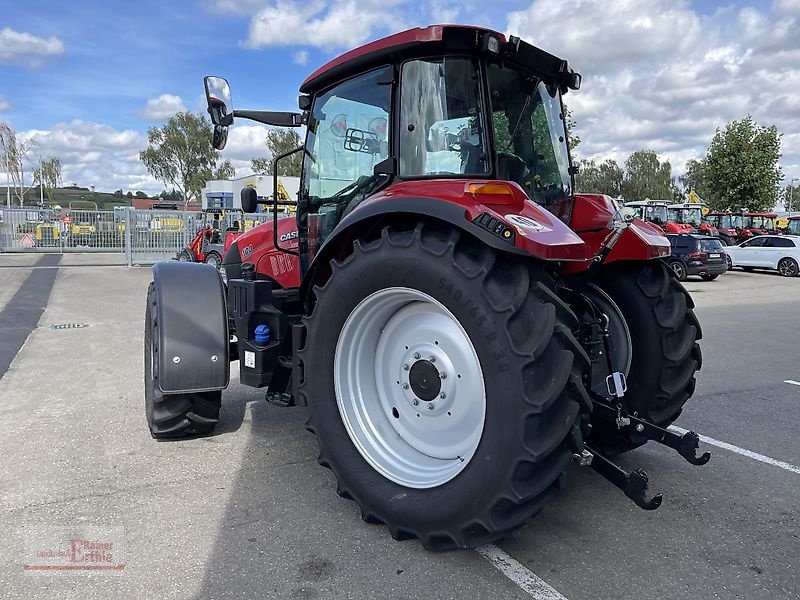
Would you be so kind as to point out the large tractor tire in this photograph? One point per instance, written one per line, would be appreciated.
(172, 415)
(444, 385)
(664, 355)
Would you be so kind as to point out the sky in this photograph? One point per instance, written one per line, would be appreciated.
(85, 79)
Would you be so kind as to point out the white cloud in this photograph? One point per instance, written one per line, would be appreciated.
(96, 154)
(4, 105)
(163, 107)
(27, 49)
(660, 76)
(327, 25)
(301, 57)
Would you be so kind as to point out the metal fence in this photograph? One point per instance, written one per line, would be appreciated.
(144, 236)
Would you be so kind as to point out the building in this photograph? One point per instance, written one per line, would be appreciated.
(225, 193)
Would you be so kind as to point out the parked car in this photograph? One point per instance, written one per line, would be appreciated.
(778, 252)
(695, 254)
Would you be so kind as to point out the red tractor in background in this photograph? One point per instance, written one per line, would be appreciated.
(794, 226)
(458, 323)
(663, 215)
(689, 215)
(219, 229)
(760, 223)
(727, 226)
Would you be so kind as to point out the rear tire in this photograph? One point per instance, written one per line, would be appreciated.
(787, 267)
(531, 366)
(214, 259)
(172, 415)
(665, 355)
(185, 256)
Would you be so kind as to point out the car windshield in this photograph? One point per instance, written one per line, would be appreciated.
(693, 216)
(737, 222)
(794, 226)
(530, 138)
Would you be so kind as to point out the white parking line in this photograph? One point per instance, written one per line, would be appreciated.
(791, 381)
(526, 579)
(749, 454)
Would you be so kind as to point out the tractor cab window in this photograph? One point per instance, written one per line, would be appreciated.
(530, 137)
(348, 134)
(442, 131)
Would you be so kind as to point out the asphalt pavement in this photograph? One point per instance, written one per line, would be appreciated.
(248, 513)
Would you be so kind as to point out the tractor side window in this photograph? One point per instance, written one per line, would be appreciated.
(348, 134)
(442, 129)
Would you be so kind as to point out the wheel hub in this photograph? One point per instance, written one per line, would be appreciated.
(424, 380)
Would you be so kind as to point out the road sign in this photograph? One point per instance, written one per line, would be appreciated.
(26, 241)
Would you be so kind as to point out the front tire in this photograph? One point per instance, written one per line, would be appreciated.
(709, 277)
(172, 416)
(393, 298)
(665, 355)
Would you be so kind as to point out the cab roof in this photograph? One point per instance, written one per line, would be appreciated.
(426, 41)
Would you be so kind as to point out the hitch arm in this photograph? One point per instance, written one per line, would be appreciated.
(686, 445)
(633, 484)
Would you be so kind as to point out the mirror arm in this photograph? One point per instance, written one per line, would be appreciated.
(277, 119)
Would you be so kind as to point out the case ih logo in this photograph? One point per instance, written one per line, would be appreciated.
(57, 550)
(289, 236)
(248, 250)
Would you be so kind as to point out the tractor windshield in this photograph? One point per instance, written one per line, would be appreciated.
(530, 138)
(656, 214)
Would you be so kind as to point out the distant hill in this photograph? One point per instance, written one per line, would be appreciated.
(64, 196)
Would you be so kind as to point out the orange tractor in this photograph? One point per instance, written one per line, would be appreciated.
(211, 242)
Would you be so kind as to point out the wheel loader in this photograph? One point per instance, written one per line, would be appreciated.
(459, 324)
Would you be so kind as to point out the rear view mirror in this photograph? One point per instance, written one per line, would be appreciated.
(218, 96)
(249, 198)
(220, 137)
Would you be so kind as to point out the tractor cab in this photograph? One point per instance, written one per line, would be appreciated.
(759, 223)
(726, 224)
(794, 226)
(689, 215)
(651, 211)
(218, 230)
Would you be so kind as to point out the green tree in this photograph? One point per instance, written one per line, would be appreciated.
(180, 155)
(129, 195)
(647, 178)
(790, 196)
(278, 142)
(140, 194)
(573, 139)
(49, 174)
(694, 178)
(741, 169)
(605, 178)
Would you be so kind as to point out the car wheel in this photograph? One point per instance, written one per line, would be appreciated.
(679, 269)
(707, 277)
(788, 267)
(728, 261)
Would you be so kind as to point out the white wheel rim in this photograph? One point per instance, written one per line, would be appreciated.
(384, 377)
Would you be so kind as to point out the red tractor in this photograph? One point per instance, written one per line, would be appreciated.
(759, 223)
(689, 216)
(794, 226)
(727, 226)
(459, 325)
(218, 231)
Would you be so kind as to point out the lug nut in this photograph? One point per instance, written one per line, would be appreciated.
(442, 395)
(415, 402)
(432, 359)
(406, 367)
(405, 386)
(431, 406)
(416, 355)
(443, 375)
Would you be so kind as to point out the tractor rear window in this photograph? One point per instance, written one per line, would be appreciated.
(442, 129)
